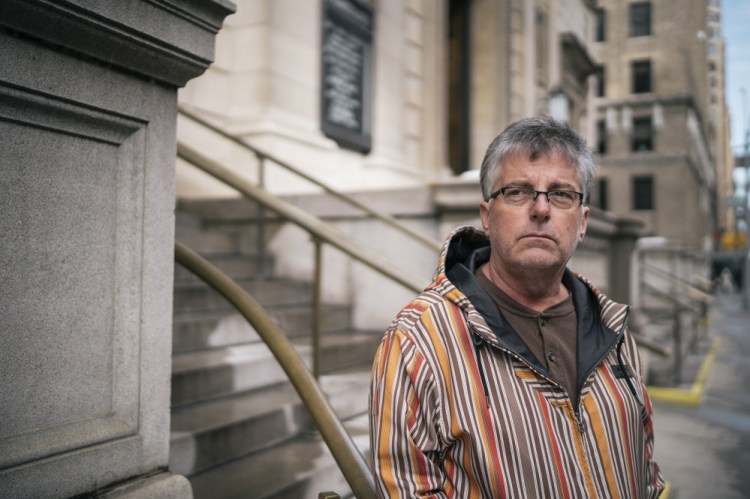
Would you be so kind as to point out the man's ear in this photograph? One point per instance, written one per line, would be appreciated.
(484, 215)
(584, 223)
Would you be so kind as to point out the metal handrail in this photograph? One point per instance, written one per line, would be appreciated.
(648, 344)
(346, 454)
(694, 292)
(311, 224)
(320, 232)
(261, 155)
(675, 301)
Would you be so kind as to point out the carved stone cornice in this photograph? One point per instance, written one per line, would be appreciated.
(128, 35)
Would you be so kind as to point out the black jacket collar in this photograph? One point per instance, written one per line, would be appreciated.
(469, 250)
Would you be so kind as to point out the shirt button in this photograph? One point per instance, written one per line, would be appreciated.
(551, 356)
(543, 321)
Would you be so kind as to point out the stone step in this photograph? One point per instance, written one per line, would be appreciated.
(345, 350)
(239, 209)
(300, 468)
(206, 435)
(235, 266)
(197, 296)
(211, 329)
(238, 427)
(209, 434)
(185, 220)
(208, 242)
(203, 375)
(206, 330)
(347, 390)
(210, 374)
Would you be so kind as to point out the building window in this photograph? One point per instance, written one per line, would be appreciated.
(600, 82)
(601, 25)
(643, 192)
(603, 194)
(640, 19)
(641, 72)
(642, 138)
(601, 137)
(541, 41)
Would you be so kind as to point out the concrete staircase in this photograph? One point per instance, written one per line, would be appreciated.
(238, 427)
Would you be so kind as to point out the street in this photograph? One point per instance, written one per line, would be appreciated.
(704, 449)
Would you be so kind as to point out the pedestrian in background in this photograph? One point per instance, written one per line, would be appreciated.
(510, 375)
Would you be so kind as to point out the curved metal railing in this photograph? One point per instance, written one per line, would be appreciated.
(346, 454)
(314, 226)
(692, 290)
(320, 232)
(262, 156)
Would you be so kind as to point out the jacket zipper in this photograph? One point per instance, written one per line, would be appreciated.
(577, 410)
(477, 340)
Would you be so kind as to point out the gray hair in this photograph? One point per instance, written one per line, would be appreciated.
(534, 138)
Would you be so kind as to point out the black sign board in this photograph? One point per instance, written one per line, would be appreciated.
(346, 73)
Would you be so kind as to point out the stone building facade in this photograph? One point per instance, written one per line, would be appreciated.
(444, 77)
(661, 121)
(718, 118)
(88, 96)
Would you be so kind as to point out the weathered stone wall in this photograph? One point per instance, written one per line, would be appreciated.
(87, 148)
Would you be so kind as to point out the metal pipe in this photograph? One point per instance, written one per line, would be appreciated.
(677, 346)
(695, 292)
(317, 304)
(260, 242)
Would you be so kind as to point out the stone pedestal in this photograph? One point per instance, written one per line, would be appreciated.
(87, 153)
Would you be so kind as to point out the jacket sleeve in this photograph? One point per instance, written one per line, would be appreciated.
(654, 481)
(404, 438)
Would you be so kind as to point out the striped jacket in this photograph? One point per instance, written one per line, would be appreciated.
(459, 407)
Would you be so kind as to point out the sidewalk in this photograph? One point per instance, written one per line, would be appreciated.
(702, 441)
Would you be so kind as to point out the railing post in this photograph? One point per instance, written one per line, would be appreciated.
(261, 235)
(641, 278)
(317, 298)
(677, 346)
(620, 262)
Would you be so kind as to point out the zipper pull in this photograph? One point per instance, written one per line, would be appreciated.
(579, 421)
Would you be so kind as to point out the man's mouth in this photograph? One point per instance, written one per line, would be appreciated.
(538, 235)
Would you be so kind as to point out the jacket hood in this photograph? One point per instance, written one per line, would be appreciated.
(600, 320)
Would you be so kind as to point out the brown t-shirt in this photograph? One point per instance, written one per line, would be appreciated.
(550, 334)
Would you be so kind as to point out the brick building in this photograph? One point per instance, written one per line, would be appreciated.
(662, 132)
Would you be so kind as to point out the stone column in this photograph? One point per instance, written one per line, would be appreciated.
(621, 259)
(87, 152)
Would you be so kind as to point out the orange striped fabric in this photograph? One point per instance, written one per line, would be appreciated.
(436, 433)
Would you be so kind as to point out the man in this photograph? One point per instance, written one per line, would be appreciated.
(510, 376)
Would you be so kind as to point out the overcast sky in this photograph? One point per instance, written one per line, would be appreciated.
(736, 26)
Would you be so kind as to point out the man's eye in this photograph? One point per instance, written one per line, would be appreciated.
(562, 195)
(514, 193)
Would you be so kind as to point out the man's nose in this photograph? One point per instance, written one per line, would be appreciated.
(540, 206)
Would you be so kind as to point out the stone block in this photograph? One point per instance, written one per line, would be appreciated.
(87, 150)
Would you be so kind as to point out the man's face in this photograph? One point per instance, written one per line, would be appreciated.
(534, 237)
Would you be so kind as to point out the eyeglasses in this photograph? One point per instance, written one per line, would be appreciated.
(521, 196)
